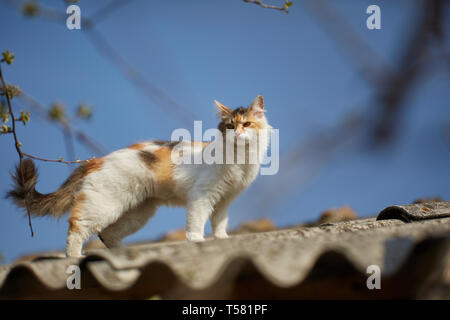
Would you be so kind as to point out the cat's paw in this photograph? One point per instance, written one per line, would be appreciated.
(221, 235)
(194, 237)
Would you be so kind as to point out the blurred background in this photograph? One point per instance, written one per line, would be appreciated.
(363, 115)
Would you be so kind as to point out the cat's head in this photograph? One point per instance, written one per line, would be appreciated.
(244, 123)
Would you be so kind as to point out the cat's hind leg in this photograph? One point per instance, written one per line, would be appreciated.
(130, 222)
(81, 227)
(90, 213)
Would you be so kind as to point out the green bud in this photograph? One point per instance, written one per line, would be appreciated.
(11, 90)
(24, 117)
(84, 111)
(57, 112)
(4, 129)
(31, 8)
(4, 114)
(8, 57)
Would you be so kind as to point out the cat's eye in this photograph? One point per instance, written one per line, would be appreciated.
(230, 126)
(247, 124)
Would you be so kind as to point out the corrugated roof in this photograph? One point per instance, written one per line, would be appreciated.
(327, 261)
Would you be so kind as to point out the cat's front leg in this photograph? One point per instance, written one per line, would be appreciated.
(219, 220)
(198, 212)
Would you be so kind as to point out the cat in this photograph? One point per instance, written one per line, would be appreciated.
(114, 196)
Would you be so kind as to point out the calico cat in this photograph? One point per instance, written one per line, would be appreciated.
(114, 196)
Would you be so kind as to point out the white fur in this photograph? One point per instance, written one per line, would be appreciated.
(123, 195)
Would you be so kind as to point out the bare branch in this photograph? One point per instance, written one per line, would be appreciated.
(394, 91)
(70, 148)
(60, 160)
(107, 10)
(370, 65)
(17, 145)
(303, 162)
(150, 90)
(184, 114)
(38, 10)
(284, 8)
(64, 124)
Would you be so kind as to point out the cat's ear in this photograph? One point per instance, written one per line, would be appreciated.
(256, 109)
(222, 110)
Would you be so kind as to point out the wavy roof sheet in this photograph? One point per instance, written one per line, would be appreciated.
(328, 261)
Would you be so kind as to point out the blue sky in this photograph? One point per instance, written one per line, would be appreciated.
(198, 51)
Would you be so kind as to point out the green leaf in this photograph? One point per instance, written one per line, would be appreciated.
(24, 117)
(8, 57)
(288, 4)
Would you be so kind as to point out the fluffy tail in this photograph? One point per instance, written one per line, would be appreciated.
(25, 195)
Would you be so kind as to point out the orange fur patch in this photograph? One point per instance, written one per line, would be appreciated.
(238, 118)
(163, 168)
(137, 146)
(94, 165)
(75, 213)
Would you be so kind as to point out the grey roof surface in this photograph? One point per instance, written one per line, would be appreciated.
(327, 261)
(416, 212)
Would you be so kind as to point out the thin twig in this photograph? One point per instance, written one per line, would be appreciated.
(17, 145)
(157, 95)
(304, 161)
(70, 148)
(45, 13)
(108, 9)
(370, 65)
(60, 160)
(267, 6)
(151, 91)
(23, 154)
(64, 124)
(394, 91)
